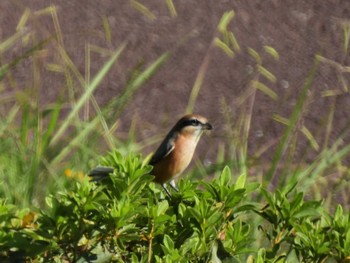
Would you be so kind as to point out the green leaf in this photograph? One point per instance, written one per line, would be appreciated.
(309, 209)
(225, 176)
(168, 242)
(240, 183)
(246, 207)
(297, 202)
(261, 255)
(234, 197)
(162, 207)
(195, 213)
(303, 238)
(269, 197)
(338, 215)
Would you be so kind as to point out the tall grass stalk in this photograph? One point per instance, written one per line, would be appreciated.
(226, 45)
(283, 144)
(86, 95)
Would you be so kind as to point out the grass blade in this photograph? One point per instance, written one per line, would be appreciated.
(90, 89)
(283, 144)
(133, 85)
(51, 126)
(198, 84)
(5, 68)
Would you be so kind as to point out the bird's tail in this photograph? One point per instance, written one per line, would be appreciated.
(100, 173)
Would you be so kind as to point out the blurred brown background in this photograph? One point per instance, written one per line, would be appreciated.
(296, 29)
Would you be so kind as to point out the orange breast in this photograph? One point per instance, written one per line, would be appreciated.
(176, 162)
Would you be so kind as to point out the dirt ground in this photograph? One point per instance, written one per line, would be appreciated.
(296, 29)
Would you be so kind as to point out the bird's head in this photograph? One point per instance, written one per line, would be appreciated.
(192, 125)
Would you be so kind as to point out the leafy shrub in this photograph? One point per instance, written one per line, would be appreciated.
(127, 217)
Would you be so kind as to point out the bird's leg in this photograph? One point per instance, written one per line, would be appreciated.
(166, 190)
(173, 185)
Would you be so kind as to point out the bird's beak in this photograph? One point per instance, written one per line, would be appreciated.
(207, 126)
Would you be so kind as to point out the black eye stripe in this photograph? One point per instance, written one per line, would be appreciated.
(192, 122)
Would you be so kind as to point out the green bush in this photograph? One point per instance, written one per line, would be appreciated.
(126, 217)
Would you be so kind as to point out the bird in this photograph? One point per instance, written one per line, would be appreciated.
(175, 152)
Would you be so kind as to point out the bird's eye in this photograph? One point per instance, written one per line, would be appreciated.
(194, 122)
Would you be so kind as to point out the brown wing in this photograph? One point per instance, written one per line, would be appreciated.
(164, 149)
